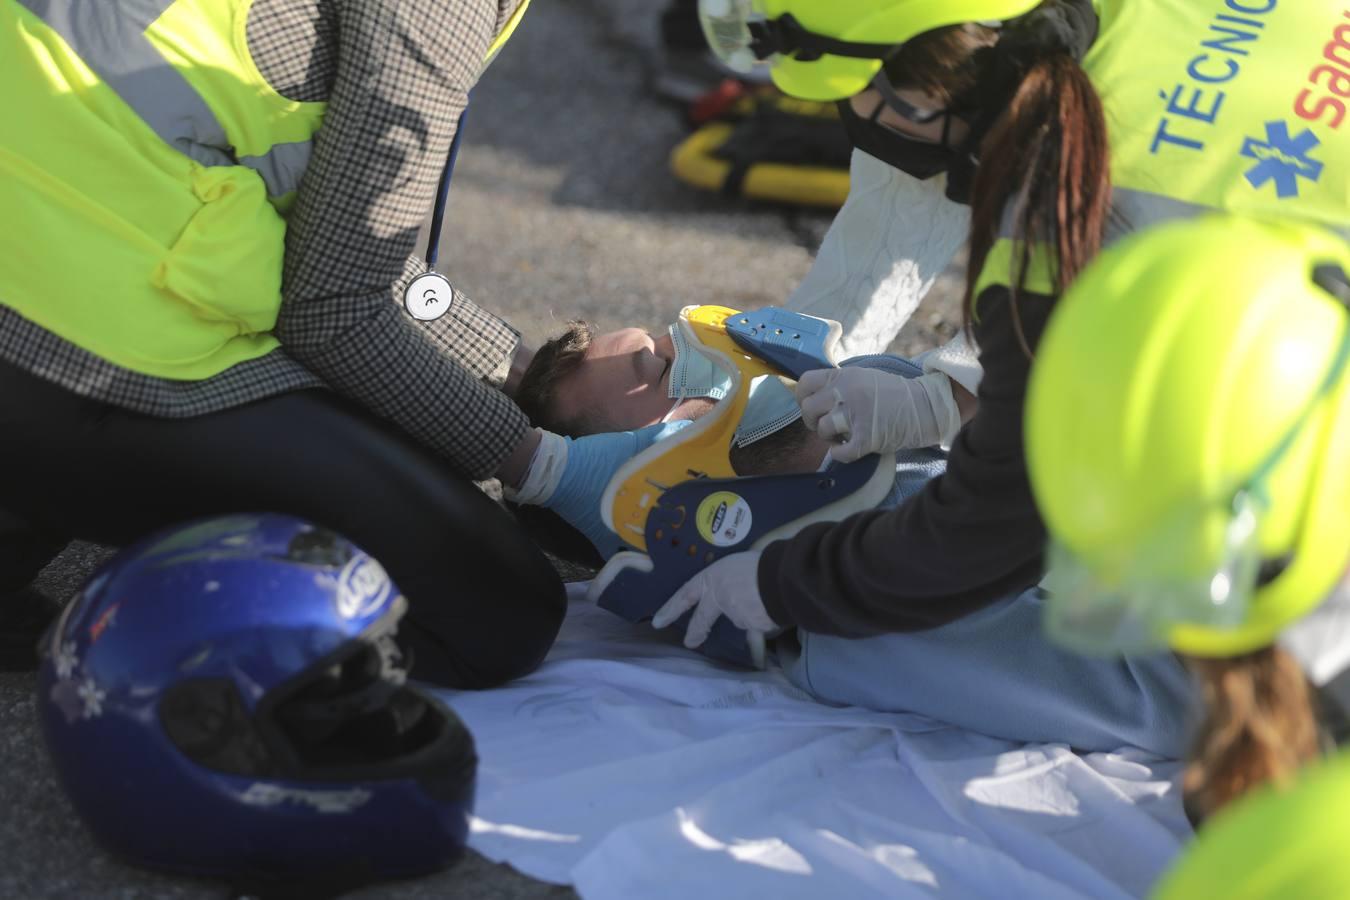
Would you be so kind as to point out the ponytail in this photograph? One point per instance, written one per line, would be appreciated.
(1046, 162)
(1260, 725)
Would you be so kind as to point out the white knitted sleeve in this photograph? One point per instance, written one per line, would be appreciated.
(892, 238)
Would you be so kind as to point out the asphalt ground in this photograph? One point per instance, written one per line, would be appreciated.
(561, 207)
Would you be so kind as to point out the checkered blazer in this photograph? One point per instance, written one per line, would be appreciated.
(396, 75)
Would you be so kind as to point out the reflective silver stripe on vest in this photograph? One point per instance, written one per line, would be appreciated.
(1130, 211)
(1133, 210)
(282, 166)
(109, 36)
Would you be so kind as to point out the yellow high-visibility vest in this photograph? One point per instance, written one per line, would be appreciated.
(1239, 105)
(1275, 843)
(145, 170)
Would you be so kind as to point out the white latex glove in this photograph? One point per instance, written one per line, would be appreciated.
(866, 411)
(729, 587)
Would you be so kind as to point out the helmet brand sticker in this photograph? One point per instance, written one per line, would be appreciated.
(723, 518)
(363, 587)
(262, 794)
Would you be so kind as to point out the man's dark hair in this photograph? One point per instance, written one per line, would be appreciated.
(558, 358)
(772, 453)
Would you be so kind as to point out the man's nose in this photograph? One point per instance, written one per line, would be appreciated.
(663, 346)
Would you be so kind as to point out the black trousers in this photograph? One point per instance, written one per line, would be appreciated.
(485, 604)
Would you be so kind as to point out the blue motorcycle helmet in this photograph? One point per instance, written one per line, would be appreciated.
(227, 699)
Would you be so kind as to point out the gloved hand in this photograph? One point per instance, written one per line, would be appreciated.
(866, 411)
(729, 587)
(569, 475)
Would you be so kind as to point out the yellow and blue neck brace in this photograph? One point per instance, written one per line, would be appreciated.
(680, 504)
(784, 343)
(771, 407)
(700, 450)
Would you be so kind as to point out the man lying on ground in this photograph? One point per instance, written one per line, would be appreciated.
(993, 671)
(585, 383)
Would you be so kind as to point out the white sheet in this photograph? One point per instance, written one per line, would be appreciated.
(632, 768)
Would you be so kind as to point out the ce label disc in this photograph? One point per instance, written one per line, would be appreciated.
(429, 296)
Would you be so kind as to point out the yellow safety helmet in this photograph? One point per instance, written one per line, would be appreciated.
(1188, 437)
(831, 49)
(1276, 843)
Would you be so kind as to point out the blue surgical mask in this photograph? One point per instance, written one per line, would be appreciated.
(771, 406)
(692, 374)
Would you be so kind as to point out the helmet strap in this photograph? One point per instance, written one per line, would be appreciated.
(789, 37)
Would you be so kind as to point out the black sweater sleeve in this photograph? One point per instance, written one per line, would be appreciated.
(971, 536)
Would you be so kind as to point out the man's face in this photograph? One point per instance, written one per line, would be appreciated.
(622, 382)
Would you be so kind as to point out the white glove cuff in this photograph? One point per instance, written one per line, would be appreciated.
(946, 414)
(546, 470)
(958, 359)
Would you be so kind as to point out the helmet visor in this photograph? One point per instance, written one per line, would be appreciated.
(726, 25)
(1152, 592)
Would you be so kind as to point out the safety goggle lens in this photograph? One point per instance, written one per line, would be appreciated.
(1137, 614)
(726, 26)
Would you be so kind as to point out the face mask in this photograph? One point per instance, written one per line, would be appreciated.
(918, 158)
(692, 374)
(771, 407)
(961, 177)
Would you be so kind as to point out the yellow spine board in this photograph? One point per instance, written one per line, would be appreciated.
(694, 162)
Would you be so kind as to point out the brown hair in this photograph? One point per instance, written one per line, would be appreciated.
(558, 358)
(1044, 162)
(772, 454)
(943, 62)
(1260, 725)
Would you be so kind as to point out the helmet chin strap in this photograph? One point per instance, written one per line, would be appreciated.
(1320, 642)
(787, 36)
